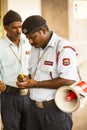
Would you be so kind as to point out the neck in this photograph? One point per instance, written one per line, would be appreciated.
(47, 40)
(15, 41)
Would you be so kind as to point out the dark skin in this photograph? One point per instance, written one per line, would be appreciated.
(40, 39)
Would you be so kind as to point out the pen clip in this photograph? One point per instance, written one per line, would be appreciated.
(29, 75)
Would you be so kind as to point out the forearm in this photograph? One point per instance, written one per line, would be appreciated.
(51, 84)
(55, 83)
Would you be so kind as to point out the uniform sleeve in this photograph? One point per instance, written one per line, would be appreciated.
(67, 64)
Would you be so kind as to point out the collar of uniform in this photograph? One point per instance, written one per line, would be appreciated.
(22, 41)
(9, 41)
(54, 39)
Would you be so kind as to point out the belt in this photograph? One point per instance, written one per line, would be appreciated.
(44, 104)
(16, 91)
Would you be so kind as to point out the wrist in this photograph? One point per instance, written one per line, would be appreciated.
(38, 84)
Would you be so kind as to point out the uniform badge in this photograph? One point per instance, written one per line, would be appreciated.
(66, 61)
(48, 63)
(25, 30)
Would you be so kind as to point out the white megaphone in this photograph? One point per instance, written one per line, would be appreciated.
(68, 98)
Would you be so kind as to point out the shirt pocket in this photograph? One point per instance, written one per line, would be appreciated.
(8, 66)
(49, 71)
(32, 68)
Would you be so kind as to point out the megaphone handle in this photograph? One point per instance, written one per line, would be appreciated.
(79, 75)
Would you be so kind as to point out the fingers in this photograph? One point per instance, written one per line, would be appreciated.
(21, 84)
(2, 86)
(27, 83)
(20, 77)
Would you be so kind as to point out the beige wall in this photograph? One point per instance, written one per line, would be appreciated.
(78, 35)
(25, 7)
(56, 13)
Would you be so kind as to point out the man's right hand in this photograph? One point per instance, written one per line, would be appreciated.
(2, 86)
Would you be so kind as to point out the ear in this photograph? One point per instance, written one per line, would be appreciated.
(6, 28)
(43, 30)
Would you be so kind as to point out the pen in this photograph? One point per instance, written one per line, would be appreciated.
(29, 75)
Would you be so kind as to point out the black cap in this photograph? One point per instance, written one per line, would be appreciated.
(10, 17)
(32, 24)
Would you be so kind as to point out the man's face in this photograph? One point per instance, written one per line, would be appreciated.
(38, 39)
(14, 30)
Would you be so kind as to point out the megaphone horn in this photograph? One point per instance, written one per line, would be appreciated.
(68, 98)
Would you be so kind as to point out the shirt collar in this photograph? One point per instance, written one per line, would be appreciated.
(22, 41)
(53, 40)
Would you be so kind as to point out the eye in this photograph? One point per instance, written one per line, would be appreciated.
(33, 36)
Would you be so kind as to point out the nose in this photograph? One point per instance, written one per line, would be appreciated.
(19, 30)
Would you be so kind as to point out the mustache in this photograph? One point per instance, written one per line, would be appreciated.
(18, 35)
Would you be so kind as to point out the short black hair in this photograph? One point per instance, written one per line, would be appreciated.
(11, 16)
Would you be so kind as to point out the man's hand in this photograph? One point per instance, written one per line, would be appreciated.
(27, 83)
(2, 86)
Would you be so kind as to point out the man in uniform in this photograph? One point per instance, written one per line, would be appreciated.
(52, 64)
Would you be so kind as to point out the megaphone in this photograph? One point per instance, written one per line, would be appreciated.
(68, 98)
